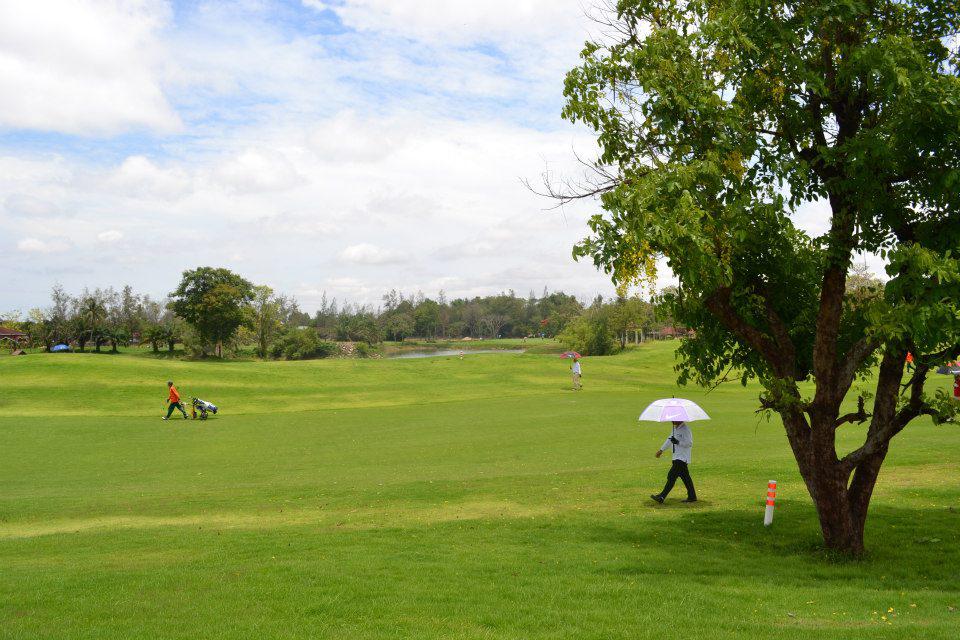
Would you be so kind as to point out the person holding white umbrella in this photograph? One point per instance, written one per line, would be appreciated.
(679, 412)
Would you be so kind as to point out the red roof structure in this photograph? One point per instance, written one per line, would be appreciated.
(6, 333)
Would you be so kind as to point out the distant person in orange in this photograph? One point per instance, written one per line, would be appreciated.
(909, 361)
(174, 401)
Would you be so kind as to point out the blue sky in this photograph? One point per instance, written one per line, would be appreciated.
(347, 147)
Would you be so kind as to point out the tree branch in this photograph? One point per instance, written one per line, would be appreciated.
(788, 351)
(915, 406)
(720, 305)
(859, 416)
(856, 355)
(881, 434)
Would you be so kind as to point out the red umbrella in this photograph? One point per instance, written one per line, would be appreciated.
(571, 354)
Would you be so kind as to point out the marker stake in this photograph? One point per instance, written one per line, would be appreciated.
(771, 498)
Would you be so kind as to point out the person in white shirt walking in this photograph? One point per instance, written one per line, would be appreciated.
(575, 368)
(681, 442)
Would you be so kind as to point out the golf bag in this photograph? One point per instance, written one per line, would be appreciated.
(204, 408)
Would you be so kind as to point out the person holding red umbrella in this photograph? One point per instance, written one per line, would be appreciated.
(574, 368)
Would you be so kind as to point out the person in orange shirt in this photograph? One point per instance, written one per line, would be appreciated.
(174, 401)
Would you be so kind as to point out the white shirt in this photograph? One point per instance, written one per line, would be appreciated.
(576, 367)
(682, 450)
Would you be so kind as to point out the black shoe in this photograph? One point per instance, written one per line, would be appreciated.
(689, 500)
(656, 497)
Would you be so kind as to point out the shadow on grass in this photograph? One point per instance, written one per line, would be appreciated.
(910, 547)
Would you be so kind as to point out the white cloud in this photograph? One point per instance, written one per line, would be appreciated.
(460, 20)
(35, 245)
(110, 236)
(347, 161)
(346, 137)
(82, 66)
(299, 225)
(366, 253)
(472, 249)
(258, 170)
(20, 204)
(139, 176)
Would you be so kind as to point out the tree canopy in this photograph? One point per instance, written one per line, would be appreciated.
(213, 302)
(718, 119)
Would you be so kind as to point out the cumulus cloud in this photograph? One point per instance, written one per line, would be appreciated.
(20, 204)
(471, 249)
(140, 176)
(36, 245)
(366, 253)
(459, 20)
(309, 159)
(347, 137)
(110, 236)
(258, 170)
(300, 225)
(83, 66)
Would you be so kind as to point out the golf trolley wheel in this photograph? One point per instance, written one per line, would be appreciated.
(203, 415)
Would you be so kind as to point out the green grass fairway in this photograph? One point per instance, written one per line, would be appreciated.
(438, 498)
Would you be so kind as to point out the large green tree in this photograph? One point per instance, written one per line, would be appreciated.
(266, 317)
(716, 120)
(213, 302)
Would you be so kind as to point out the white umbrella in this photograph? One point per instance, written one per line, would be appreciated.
(673, 410)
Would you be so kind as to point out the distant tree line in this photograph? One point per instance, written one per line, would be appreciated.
(213, 310)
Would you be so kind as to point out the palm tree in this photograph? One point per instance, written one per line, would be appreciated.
(93, 313)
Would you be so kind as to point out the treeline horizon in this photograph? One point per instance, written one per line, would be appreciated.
(231, 311)
(326, 305)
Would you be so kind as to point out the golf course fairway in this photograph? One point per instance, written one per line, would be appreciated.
(439, 498)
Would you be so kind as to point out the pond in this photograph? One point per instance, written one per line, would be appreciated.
(448, 352)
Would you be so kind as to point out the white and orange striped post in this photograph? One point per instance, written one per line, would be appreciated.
(771, 498)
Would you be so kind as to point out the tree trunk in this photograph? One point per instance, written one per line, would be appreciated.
(156, 346)
(841, 502)
(170, 345)
(841, 530)
(841, 510)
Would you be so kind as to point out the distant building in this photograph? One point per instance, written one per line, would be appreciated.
(13, 336)
(670, 333)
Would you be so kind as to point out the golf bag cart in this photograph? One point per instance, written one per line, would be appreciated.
(204, 408)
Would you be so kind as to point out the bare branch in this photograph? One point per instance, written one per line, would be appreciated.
(859, 416)
(598, 179)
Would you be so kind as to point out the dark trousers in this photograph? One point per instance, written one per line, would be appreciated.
(679, 470)
(175, 405)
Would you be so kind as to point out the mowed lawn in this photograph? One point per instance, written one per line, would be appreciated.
(438, 498)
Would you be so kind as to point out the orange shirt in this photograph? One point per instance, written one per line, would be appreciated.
(174, 396)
